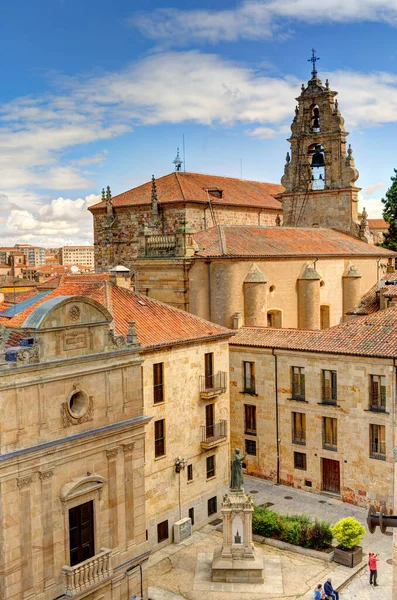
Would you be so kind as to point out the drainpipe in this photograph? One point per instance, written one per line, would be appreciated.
(205, 218)
(209, 289)
(259, 216)
(277, 423)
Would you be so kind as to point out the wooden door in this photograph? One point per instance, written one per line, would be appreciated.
(209, 420)
(331, 476)
(81, 532)
(209, 369)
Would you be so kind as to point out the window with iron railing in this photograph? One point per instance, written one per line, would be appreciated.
(330, 434)
(210, 466)
(250, 419)
(300, 461)
(329, 387)
(377, 393)
(158, 383)
(298, 421)
(298, 383)
(250, 447)
(377, 442)
(159, 438)
(249, 377)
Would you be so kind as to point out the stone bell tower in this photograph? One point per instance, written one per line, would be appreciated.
(319, 175)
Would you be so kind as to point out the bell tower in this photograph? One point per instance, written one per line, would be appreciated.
(319, 174)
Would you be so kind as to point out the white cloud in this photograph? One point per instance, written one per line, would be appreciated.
(60, 222)
(368, 191)
(256, 19)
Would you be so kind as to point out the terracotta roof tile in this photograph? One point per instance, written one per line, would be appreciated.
(156, 323)
(378, 224)
(281, 241)
(375, 335)
(185, 187)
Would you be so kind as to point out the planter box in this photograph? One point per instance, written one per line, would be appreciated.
(327, 556)
(349, 558)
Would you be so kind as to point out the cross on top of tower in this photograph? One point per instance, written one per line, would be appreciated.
(313, 60)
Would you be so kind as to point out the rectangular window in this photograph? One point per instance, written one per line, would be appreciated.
(210, 466)
(300, 461)
(250, 419)
(209, 369)
(162, 532)
(250, 447)
(330, 433)
(212, 506)
(377, 398)
(158, 383)
(329, 387)
(190, 472)
(298, 421)
(249, 377)
(298, 383)
(81, 533)
(377, 441)
(159, 438)
(191, 515)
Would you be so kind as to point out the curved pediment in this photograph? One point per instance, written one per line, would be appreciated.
(81, 485)
(61, 311)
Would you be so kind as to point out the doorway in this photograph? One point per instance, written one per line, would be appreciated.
(209, 420)
(331, 476)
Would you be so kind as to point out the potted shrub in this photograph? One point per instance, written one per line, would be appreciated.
(348, 533)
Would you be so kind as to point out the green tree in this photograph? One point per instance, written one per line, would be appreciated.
(390, 215)
(348, 532)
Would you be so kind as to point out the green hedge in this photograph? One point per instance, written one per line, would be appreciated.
(299, 530)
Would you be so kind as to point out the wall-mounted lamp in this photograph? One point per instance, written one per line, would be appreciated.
(180, 463)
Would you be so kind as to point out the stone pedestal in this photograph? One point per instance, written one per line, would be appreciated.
(235, 561)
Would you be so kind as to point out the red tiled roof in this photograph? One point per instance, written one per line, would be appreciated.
(156, 323)
(378, 224)
(191, 187)
(254, 241)
(375, 335)
(369, 303)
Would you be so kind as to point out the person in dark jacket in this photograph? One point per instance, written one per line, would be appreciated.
(330, 591)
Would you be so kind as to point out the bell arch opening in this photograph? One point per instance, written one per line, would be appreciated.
(317, 166)
(315, 118)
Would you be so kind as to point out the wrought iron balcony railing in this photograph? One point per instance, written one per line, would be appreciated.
(378, 450)
(212, 385)
(212, 435)
(377, 403)
(330, 442)
(299, 436)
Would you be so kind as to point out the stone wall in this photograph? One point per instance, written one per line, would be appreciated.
(363, 480)
(169, 495)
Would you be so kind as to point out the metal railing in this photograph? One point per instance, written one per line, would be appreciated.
(87, 573)
(212, 433)
(299, 436)
(217, 382)
(330, 442)
(378, 450)
(377, 403)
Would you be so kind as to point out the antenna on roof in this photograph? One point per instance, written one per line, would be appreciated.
(177, 161)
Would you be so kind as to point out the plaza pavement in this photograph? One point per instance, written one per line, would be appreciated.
(178, 571)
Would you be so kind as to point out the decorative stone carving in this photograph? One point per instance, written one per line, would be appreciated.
(69, 419)
(112, 452)
(28, 355)
(24, 481)
(128, 447)
(116, 341)
(74, 313)
(46, 474)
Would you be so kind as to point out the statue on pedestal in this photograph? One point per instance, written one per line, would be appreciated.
(236, 481)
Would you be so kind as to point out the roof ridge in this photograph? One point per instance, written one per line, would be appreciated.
(179, 184)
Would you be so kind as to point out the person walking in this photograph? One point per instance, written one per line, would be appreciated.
(330, 591)
(373, 568)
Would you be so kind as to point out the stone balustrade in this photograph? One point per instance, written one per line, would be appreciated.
(87, 573)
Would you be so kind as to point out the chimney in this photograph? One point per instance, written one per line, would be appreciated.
(237, 320)
(121, 276)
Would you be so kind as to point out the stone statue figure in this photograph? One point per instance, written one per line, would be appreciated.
(236, 482)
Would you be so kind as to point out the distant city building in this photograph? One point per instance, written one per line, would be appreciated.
(34, 254)
(77, 255)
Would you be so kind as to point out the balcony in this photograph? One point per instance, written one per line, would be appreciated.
(378, 450)
(299, 437)
(88, 573)
(377, 403)
(330, 442)
(212, 435)
(212, 385)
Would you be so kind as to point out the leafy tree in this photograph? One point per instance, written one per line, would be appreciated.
(390, 215)
(348, 532)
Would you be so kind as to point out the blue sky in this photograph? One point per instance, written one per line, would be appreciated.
(100, 93)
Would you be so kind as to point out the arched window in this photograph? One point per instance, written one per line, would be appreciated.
(316, 151)
(315, 118)
(324, 317)
(274, 318)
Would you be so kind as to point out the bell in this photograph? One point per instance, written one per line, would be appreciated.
(316, 123)
(318, 157)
